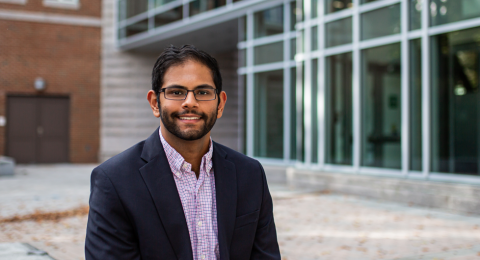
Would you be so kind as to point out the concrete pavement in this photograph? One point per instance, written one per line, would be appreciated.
(310, 225)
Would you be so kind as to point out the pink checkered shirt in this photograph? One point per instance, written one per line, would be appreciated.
(198, 201)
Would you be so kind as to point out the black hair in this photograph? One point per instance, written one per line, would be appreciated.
(172, 56)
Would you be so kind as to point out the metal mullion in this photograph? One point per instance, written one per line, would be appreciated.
(425, 91)
(356, 85)
(321, 110)
(186, 10)
(405, 90)
(307, 84)
(151, 15)
(376, 5)
(286, 82)
(456, 26)
(337, 15)
(367, 44)
(338, 50)
(250, 87)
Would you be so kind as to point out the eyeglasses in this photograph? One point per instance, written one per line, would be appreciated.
(201, 94)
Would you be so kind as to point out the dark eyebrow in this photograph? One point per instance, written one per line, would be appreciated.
(203, 86)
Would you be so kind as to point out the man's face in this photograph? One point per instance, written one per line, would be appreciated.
(189, 119)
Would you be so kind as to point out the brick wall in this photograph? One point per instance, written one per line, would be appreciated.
(68, 58)
(86, 8)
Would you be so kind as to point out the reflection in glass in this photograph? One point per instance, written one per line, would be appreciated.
(455, 102)
(300, 108)
(314, 110)
(338, 103)
(332, 6)
(268, 53)
(381, 22)
(242, 29)
(268, 22)
(200, 6)
(293, 48)
(381, 110)
(293, 15)
(268, 140)
(442, 11)
(162, 2)
(415, 22)
(242, 58)
(136, 28)
(314, 38)
(368, 1)
(169, 16)
(129, 8)
(338, 32)
(314, 8)
(416, 105)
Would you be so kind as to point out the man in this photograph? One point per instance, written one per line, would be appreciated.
(178, 195)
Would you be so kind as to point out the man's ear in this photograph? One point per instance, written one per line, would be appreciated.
(153, 101)
(221, 105)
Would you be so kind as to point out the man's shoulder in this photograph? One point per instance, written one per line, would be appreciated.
(126, 160)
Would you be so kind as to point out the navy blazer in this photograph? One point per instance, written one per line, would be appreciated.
(136, 212)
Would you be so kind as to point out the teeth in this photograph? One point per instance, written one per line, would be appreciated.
(189, 118)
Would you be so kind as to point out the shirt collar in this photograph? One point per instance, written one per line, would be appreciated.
(177, 163)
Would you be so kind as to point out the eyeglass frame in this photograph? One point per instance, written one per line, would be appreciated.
(186, 94)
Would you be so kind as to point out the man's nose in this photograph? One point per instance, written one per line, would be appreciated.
(190, 100)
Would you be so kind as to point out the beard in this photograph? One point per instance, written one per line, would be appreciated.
(168, 121)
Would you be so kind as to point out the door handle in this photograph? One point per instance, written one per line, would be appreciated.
(39, 130)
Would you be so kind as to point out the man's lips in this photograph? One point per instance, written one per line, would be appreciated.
(189, 118)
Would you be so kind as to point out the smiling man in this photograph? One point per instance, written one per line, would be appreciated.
(178, 194)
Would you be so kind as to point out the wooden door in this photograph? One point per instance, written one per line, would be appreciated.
(37, 129)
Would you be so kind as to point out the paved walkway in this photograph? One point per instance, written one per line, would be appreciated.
(309, 225)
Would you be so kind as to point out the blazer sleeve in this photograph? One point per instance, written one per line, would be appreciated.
(265, 245)
(109, 232)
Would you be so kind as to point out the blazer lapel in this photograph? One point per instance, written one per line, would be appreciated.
(226, 195)
(159, 180)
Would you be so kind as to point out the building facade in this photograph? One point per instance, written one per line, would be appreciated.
(382, 87)
(50, 80)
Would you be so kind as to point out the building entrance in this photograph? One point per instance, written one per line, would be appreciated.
(37, 129)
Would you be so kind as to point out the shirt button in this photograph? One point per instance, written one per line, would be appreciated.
(199, 223)
(203, 256)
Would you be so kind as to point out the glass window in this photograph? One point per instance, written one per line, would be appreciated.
(162, 2)
(169, 16)
(293, 114)
(300, 108)
(268, 22)
(314, 38)
(134, 7)
(381, 107)
(293, 48)
(314, 8)
(415, 22)
(200, 6)
(332, 6)
(136, 28)
(242, 29)
(443, 11)
(293, 15)
(368, 1)
(381, 22)
(416, 105)
(268, 53)
(338, 32)
(338, 102)
(314, 110)
(455, 102)
(242, 57)
(268, 118)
